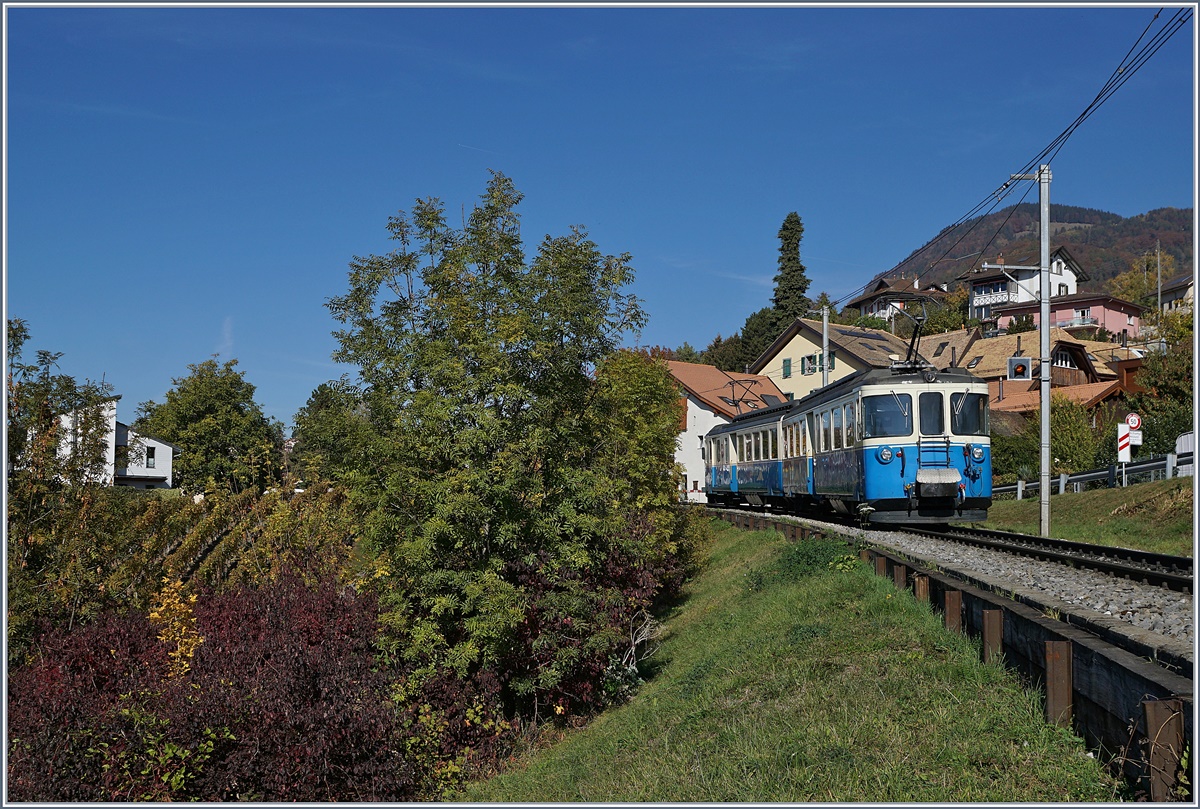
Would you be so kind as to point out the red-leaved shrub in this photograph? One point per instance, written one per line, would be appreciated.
(282, 702)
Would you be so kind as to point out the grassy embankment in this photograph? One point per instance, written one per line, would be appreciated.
(793, 673)
(1155, 517)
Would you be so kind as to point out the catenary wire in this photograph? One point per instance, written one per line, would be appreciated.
(1121, 74)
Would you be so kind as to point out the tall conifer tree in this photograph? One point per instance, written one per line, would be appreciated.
(791, 283)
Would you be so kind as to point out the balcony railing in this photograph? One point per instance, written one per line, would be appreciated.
(1076, 321)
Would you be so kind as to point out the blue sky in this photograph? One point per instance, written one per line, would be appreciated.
(185, 182)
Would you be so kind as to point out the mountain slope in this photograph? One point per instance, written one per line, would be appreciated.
(1103, 243)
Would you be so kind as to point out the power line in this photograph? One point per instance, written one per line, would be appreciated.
(1121, 74)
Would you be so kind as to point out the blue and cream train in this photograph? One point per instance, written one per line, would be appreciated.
(906, 444)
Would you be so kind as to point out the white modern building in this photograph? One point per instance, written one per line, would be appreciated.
(145, 462)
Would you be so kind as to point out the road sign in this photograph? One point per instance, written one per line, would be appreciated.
(1135, 437)
(1134, 421)
(1123, 451)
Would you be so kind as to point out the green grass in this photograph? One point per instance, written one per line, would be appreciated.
(1155, 516)
(793, 673)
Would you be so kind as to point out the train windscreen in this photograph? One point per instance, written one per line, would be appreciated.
(969, 413)
(933, 421)
(887, 415)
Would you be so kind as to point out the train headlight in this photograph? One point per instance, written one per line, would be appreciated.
(977, 453)
(884, 454)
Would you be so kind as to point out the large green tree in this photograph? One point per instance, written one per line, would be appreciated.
(494, 508)
(225, 441)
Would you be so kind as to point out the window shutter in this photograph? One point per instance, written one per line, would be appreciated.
(787, 368)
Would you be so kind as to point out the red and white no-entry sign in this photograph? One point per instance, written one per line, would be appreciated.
(1134, 421)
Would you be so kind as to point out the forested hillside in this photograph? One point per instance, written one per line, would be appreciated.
(1104, 244)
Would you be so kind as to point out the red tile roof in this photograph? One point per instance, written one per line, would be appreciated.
(726, 392)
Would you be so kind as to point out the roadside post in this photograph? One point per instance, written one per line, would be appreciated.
(1123, 453)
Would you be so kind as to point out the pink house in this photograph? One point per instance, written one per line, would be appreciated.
(1083, 314)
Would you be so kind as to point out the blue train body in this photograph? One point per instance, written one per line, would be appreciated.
(906, 444)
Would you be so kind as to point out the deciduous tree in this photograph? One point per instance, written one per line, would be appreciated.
(224, 438)
(488, 507)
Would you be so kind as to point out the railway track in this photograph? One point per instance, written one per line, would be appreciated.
(1156, 569)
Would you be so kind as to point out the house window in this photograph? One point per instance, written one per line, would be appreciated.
(1063, 359)
(1062, 289)
(149, 457)
(1128, 320)
(974, 362)
(787, 368)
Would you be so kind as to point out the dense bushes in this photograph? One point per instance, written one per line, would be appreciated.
(283, 700)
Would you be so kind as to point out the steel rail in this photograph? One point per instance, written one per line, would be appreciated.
(1159, 570)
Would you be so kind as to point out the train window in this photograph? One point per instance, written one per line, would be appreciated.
(933, 421)
(758, 447)
(825, 445)
(837, 428)
(969, 413)
(887, 415)
(774, 445)
(851, 437)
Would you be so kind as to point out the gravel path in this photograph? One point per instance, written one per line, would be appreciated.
(1086, 593)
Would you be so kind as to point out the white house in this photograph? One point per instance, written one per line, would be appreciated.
(997, 284)
(146, 461)
(1178, 293)
(713, 397)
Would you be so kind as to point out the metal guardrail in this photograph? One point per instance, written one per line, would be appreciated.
(1170, 465)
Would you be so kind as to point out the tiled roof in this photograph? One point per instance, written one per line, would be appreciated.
(980, 274)
(1105, 356)
(1029, 400)
(942, 349)
(1058, 301)
(726, 392)
(1182, 281)
(872, 348)
(899, 288)
(989, 358)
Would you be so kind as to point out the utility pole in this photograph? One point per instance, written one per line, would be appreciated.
(1043, 178)
(1158, 258)
(824, 346)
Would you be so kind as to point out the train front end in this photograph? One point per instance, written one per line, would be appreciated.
(926, 448)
